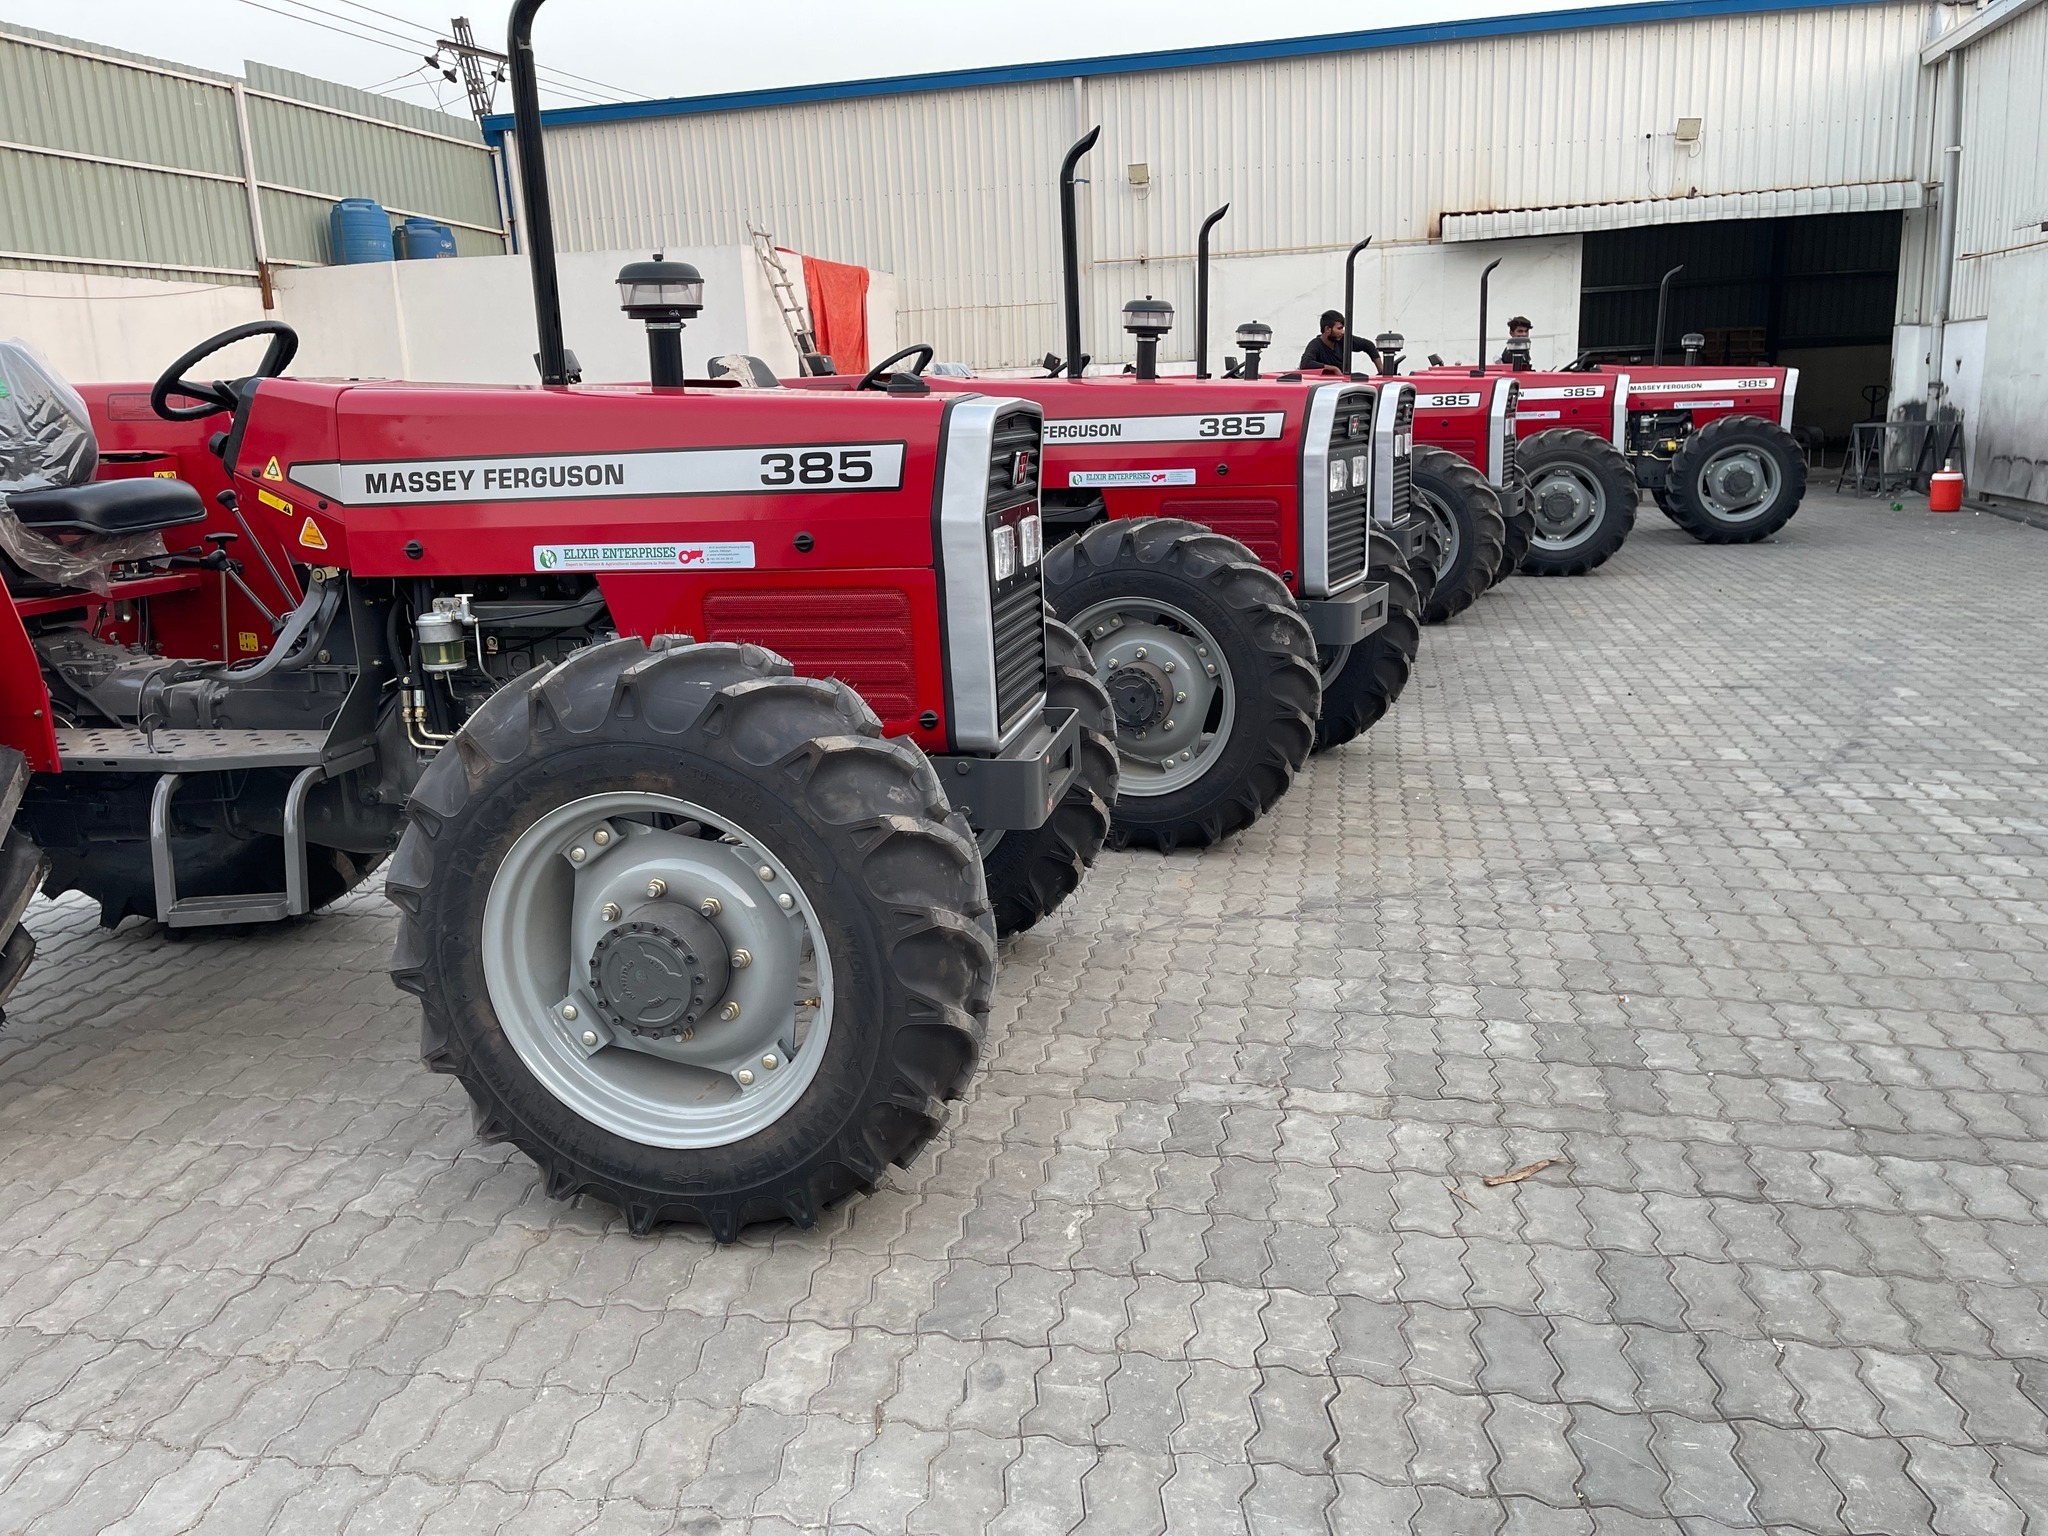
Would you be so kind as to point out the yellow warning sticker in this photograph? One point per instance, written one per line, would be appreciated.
(276, 502)
(164, 474)
(271, 471)
(246, 639)
(311, 536)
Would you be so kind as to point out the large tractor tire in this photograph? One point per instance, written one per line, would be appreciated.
(1031, 872)
(692, 935)
(1736, 480)
(1210, 668)
(1521, 528)
(1471, 532)
(1421, 565)
(1361, 682)
(22, 868)
(1582, 492)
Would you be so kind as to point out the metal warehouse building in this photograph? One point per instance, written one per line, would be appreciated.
(1789, 153)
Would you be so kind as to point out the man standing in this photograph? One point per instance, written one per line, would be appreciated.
(1328, 352)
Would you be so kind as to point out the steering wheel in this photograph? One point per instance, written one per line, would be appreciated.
(872, 379)
(217, 396)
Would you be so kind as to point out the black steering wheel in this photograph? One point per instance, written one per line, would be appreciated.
(217, 396)
(872, 379)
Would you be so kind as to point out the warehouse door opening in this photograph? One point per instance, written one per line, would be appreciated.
(1818, 294)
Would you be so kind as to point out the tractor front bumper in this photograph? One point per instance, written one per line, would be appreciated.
(1016, 789)
(1348, 619)
(1407, 534)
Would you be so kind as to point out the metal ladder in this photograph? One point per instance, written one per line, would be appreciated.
(794, 320)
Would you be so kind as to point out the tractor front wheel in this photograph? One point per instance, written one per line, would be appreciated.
(1030, 872)
(1471, 533)
(1736, 480)
(692, 935)
(1582, 492)
(1361, 682)
(1210, 669)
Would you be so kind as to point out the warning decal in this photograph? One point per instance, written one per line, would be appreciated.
(274, 502)
(311, 536)
(271, 470)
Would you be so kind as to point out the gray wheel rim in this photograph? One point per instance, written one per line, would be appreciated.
(1449, 539)
(1331, 660)
(1739, 484)
(1169, 650)
(1567, 502)
(581, 875)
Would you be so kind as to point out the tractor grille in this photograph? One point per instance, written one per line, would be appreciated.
(1351, 507)
(1510, 465)
(1020, 600)
(1404, 460)
(861, 636)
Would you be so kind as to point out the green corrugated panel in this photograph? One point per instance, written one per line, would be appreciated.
(113, 213)
(283, 82)
(99, 107)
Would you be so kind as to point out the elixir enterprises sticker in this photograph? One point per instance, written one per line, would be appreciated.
(1112, 477)
(643, 557)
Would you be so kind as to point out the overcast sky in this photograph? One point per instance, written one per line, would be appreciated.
(629, 49)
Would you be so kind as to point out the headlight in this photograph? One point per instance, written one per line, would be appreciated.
(1337, 476)
(1361, 469)
(1031, 539)
(1003, 546)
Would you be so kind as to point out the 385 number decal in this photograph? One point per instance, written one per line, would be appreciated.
(1233, 426)
(819, 466)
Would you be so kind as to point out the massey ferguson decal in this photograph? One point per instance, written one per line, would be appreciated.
(1087, 477)
(1231, 425)
(1694, 386)
(592, 476)
(643, 557)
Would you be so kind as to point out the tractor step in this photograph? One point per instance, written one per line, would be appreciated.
(110, 749)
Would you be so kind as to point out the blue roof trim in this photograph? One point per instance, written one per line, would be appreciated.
(496, 126)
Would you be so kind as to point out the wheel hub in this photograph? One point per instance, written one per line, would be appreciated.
(1447, 542)
(1566, 505)
(1140, 694)
(659, 971)
(1739, 483)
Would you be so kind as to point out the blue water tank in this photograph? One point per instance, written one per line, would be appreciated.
(426, 239)
(360, 230)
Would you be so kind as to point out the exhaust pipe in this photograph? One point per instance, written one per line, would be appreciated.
(1485, 281)
(1663, 295)
(1350, 287)
(1202, 292)
(533, 188)
(1070, 247)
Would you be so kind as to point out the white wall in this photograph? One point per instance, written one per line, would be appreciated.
(95, 328)
(2009, 456)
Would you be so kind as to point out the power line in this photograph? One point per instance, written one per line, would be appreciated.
(545, 69)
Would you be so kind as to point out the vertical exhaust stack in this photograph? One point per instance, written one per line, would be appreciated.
(1350, 289)
(1202, 292)
(533, 189)
(1485, 281)
(1148, 319)
(1663, 298)
(1070, 244)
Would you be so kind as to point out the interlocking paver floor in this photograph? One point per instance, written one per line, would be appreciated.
(1720, 876)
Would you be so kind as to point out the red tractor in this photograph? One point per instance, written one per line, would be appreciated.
(698, 926)
(1156, 487)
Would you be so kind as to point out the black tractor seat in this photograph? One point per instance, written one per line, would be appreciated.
(109, 507)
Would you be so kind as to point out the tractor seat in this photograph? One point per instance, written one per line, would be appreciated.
(109, 507)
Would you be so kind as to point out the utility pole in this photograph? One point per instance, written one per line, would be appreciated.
(482, 87)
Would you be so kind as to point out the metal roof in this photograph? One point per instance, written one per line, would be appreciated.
(495, 127)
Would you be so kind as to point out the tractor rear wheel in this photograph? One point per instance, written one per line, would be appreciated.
(1361, 682)
(1031, 872)
(1465, 510)
(1521, 528)
(1210, 669)
(1582, 492)
(1736, 480)
(692, 935)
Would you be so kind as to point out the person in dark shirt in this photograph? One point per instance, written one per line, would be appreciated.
(1518, 331)
(1327, 353)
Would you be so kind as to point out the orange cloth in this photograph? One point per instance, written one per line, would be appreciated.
(839, 311)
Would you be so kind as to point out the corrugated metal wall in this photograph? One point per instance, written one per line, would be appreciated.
(2005, 157)
(127, 164)
(954, 189)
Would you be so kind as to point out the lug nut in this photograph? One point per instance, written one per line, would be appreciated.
(729, 1011)
(1141, 653)
(765, 872)
(746, 1078)
(785, 901)
(601, 836)
(1167, 727)
(1169, 666)
(770, 1062)
(1201, 650)
(711, 906)
(578, 855)
(1181, 697)
(657, 888)
(590, 1037)
(569, 1012)
(741, 959)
